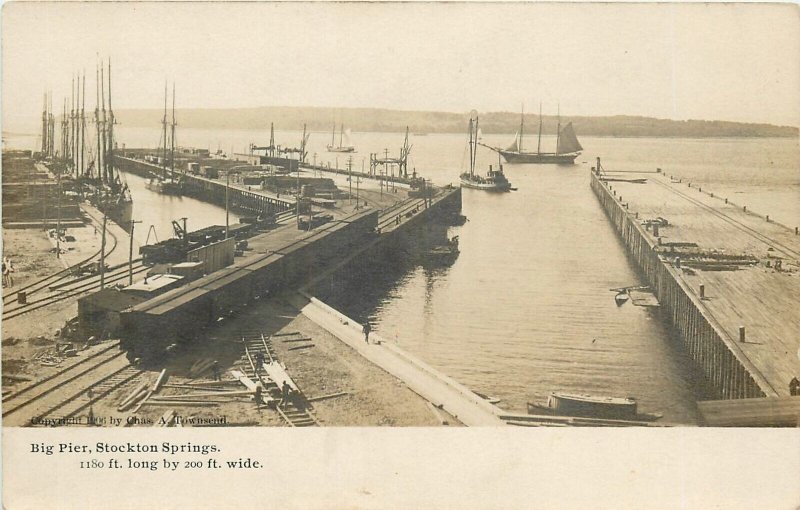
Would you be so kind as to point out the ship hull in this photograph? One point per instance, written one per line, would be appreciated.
(497, 188)
(120, 213)
(539, 158)
(341, 149)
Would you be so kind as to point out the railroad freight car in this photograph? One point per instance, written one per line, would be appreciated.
(181, 315)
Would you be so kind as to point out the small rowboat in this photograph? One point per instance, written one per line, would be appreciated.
(591, 406)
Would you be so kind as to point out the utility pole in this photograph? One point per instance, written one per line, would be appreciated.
(227, 218)
(130, 254)
(350, 179)
(358, 181)
(58, 216)
(103, 254)
(297, 199)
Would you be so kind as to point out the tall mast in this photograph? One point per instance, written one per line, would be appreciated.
(558, 129)
(539, 145)
(521, 127)
(64, 130)
(83, 125)
(172, 138)
(473, 137)
(104, 130)
(98, 124)
(341, 134)
(333, 135)
(72, 124)
(110, 127)
(44, 125)
(164, 135)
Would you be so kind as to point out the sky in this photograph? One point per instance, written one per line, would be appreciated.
(737, 62)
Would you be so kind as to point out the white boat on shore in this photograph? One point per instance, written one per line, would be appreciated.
(591, 406)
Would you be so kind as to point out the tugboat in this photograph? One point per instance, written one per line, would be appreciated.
(591, 406)
(495, 180)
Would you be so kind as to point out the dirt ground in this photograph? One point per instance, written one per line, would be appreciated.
(374, 398)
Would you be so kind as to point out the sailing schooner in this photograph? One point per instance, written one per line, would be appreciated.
(340, 147)
(495, 180)
(567, 146)
(167, 183)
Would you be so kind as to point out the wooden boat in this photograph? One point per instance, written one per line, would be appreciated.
(591, 406)
(494, 180)
(567, 146)
(339, 148)
(444, 253)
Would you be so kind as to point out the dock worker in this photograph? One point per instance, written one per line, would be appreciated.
(794, 387)
(286, 392)
(215, 370)
(259, 362)
(8, 268)
(257, 396)
(367, 328)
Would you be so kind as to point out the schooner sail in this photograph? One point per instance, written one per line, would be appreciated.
(340, 148)
(567, 146)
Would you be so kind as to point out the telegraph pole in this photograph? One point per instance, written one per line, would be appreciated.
(350, 179)
(130, 254)
(103, 254)
(227, 216)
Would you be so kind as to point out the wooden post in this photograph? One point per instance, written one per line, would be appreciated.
(741, 334)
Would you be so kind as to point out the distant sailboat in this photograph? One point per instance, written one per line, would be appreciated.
(340, 148)
(567, 146)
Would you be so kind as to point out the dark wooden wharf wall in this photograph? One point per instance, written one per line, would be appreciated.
(731, 374)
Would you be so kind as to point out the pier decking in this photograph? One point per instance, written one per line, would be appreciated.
(728, 278)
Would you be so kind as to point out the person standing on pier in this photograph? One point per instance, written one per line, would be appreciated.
(286, 392)
(259, 362)
(367, 328)
(794, 387)
(215, 370)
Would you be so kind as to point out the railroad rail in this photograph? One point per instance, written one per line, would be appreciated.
(297, 411)
(49, 280)
(76, 402)
(66, 385)
(70, 290)
(777, 245)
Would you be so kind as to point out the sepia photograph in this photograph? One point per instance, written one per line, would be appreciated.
(399, 215)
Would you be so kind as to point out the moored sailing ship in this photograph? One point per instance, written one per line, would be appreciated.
(567, 146)
(166, 182)
(494, 180)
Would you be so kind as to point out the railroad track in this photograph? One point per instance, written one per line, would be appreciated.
(49, 280)
(297, 412)
(73, 404)
(71, 289)
(44, 394)
(736, 223)
(388, 216)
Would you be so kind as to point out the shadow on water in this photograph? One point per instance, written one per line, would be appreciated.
(359, 288)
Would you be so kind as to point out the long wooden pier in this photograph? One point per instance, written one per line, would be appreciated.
(240, 198)
(728, 279)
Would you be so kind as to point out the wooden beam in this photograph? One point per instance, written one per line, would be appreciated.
(330, 395)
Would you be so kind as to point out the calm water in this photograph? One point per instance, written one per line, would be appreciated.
(526, 308)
